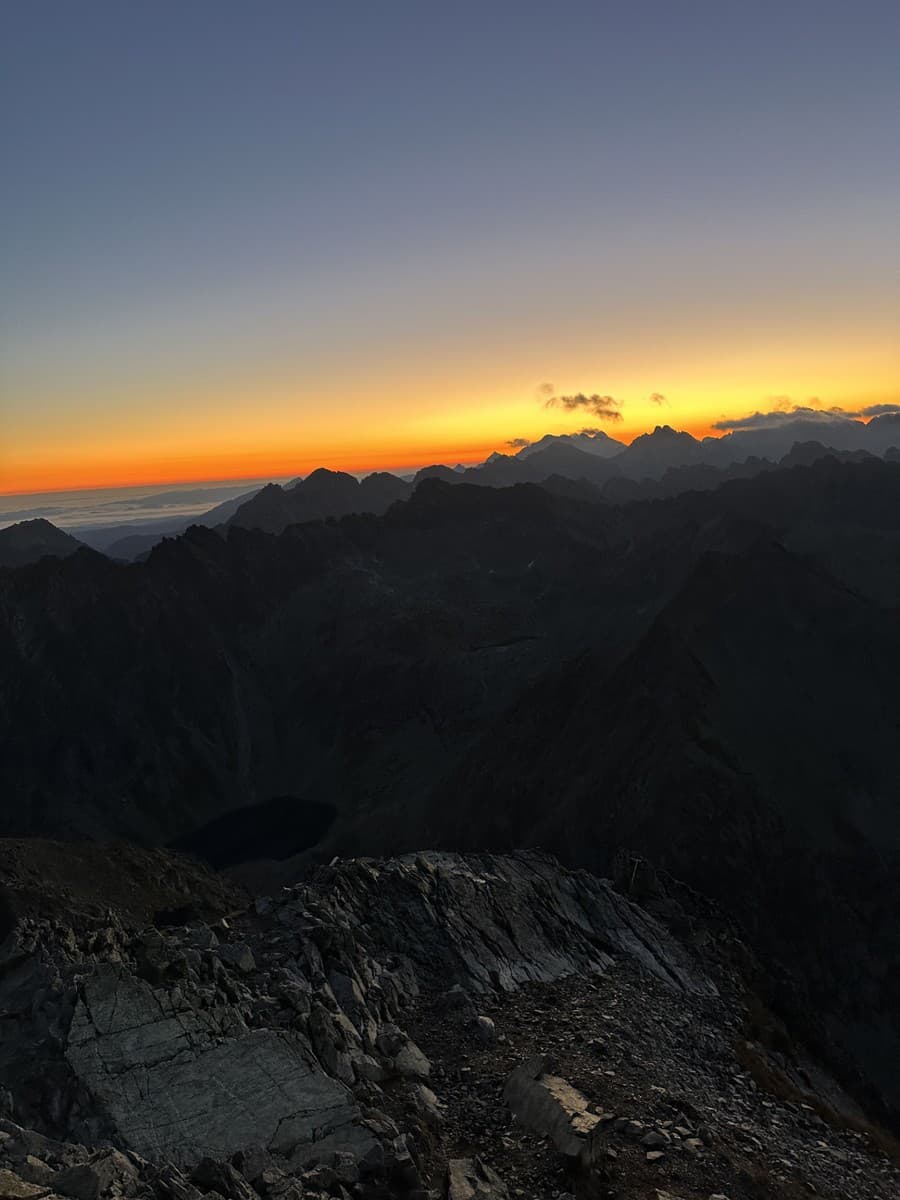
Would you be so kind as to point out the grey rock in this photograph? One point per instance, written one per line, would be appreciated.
(12, 1187)
(654, 1140)
(175, 1089)
(411, 1062)
(349, 995)
(472, 1179)
(390, 1040)
(345, 1168)
(252, 1161)
(239, 956)
(553, 1108)
(107, 1171)
(427, 1105)
(201, 937)
(484, 1029)
(218, 1047)
(456, 999)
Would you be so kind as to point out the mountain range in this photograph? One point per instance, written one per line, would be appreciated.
(661, 463)
(708, 680)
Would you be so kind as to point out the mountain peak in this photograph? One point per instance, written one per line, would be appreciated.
(29, 541)
(591, 441)
(667, 433)
(326, 475)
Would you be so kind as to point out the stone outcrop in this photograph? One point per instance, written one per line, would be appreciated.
(324, 1041)
(182, 1083)
(498, 921)
(277, 1030)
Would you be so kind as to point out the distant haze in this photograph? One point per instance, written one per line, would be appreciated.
(118, 506)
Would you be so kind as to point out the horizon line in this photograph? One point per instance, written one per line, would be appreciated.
(465, 458)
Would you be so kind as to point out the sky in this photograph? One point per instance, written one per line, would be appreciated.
(249, 239)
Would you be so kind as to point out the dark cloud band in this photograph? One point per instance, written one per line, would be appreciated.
(604, 408)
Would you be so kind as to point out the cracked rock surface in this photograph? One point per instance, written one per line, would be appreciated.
(180, 1084)
(380, 1030)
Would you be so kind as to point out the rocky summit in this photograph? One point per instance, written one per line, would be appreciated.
(425, 1026)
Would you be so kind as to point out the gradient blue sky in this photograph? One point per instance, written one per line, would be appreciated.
(253, 237)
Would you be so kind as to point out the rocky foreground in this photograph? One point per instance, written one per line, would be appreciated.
(432, 1025)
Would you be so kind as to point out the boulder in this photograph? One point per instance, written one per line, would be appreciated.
(552, 1107)
(484, 1030)
(107, 1172)
(238, 956)
(427, 1105)
(14, 1188)
(472, 1179)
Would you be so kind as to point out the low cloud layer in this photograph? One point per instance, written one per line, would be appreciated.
(879, 410)
(518, 443)
(784, 414)
(604, 408)
(659, 400)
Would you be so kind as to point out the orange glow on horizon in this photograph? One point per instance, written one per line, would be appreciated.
(124, 471)
(115, 472)
(266, 436)
(101, 473)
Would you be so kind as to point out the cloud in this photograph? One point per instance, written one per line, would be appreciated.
(879, 410)
(659, 399)
(544, 390)
(591, 431)
(783, 404)
(779, 416)
(518, 443)
(604, 408)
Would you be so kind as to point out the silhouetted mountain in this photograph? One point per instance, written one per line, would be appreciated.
(656, 465)
(704, 477)
(710, 680)
(380, 490)
(127, 541)
(134, 546)
(653, 453)
(29, 541)
(596, 442)
(804, 454)
(438, 471)
(571, 462)
(883, 432)
(503, 470)
(322, 494)
(456, 578)
(772, 435)
(550, 456)
(675, 480)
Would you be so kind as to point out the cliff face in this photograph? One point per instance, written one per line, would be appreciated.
(396, 1027)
